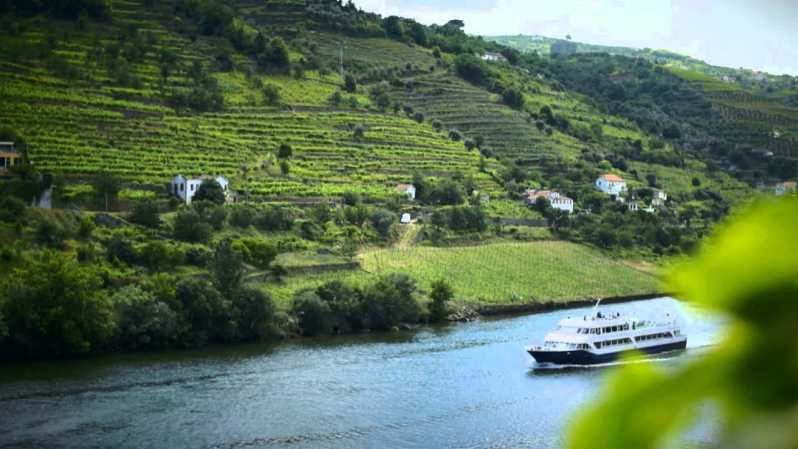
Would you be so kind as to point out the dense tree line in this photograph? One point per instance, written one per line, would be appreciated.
(64, 9)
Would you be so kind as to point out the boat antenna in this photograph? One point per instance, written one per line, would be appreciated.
(595, 308)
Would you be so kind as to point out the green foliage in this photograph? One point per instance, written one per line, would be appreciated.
(242, 216)
(107, 186)
(440, 295)
(254, 313)
(143, 321)
(271, 94)
(146, 213)
(749, 273)
(210, 191)
(313, 313)
(190, 227)
(256, 252)
(55, 307)
(275, 218)
(390, 301)
(350, 83)
(473, 69)
(64, 9)
(227, 268)
(513, 97)
(284, 151)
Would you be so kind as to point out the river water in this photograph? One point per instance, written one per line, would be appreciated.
(462, 386)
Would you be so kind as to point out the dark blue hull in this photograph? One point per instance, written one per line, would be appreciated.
(582, 357)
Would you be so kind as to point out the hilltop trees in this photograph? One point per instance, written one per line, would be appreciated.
(472, 69)
(440, 295)
(64, 9)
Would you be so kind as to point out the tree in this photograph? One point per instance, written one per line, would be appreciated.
(455, 135)
(55, 307)
(513, 97)
(472, 69)
(383, 221)
(313, 313)
(206, 312)
(146, 213)
(393, 27)
(285, 151)
(390, 301)
(210, 191)
(359, 132)
(440, 295)
(285, 167)
(651, 179)
(190, 227)
(254, 312)
(106, 186)
(470, 144)
(227, 268)
(437, 125)
(271, 94)
(419, 117)
(696, 182)
(242, 216)
(672, 132)
(350, 83)
(143, 320)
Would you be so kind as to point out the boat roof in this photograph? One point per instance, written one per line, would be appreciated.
(593, 321)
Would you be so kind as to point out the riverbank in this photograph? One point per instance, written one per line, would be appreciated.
(548, 306)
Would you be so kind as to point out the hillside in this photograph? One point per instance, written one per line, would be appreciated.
(315, 111)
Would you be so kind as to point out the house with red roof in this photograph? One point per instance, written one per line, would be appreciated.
(555, 199)
(611, 184)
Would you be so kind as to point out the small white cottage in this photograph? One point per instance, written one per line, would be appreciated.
(611, 184)
(185, 188)
(555, 199)
(405, 218)
(407, 189)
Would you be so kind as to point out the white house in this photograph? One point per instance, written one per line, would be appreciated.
(493, 57)
(611, 184)
(555, 199)
(633, 206)
(185, 188)
(407, 189)
(785, 187)
(659, 198)
(405, 218)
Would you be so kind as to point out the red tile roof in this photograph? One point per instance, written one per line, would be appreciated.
(611, 178)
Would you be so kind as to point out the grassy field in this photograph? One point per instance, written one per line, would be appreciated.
(496, 273)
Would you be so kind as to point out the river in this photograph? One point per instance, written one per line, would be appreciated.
(466, 385)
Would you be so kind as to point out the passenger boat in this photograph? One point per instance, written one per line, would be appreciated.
(602, 338)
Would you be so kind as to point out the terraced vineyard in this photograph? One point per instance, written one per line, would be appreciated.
(77, 127)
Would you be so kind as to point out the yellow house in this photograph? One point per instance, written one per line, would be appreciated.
(9, 156)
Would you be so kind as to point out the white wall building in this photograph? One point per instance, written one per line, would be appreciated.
(407, 189)
(185, 188)
(555, 199)
(659, 198)
(611, 184)
(493, 57)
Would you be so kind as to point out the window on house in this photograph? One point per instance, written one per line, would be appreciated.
(181, 187)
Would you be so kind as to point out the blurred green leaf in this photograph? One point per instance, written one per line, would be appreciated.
(748, 270)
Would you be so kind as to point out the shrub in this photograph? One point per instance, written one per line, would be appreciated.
(440, 295)
(513, 97)
(359, 132)
(242, 216)
(437, 125)
(254, 312)
(274, 218)
(146, 213)
(143, 321)
(190, 227)
(455, 135)
(227, 267)
(383, 221)
(55, 307)
(285, 167)
(271, 94)
(419, 117)
(390, 301)
(313, 313)
(350, 83)
(472, 69)
(285, 151)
